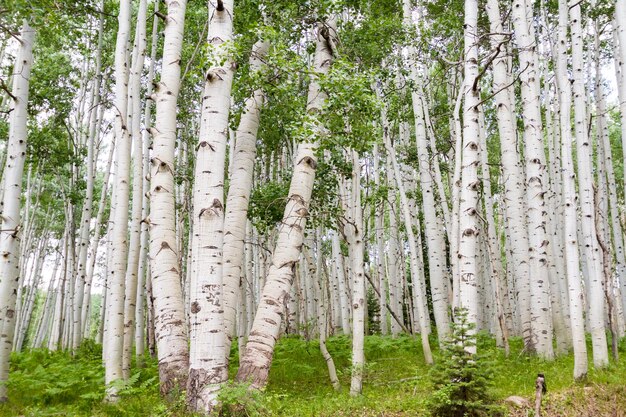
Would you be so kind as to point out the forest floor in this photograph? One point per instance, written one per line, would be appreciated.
(396, 384)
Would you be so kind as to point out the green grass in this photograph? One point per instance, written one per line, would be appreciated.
(396, 383)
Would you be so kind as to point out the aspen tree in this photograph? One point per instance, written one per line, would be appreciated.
(169, 319)
(512, 173)
(537, 332)
(12, 193)
(241, 180)
(468, 200)
(354, 235)
(380, 251)
(569, 201)
(585, 191)
(256, 359)
(115, 296)
(134, 245)
(143, 268)
(208, 366)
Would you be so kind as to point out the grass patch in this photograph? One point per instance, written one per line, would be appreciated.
(396, 383)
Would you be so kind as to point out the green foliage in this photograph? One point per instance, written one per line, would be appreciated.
(267, 204)
(238, 400)
(462, 379)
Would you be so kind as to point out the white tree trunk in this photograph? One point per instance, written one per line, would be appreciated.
(585, 190)
(569, 201)
(237, 201)
(115, 296)
(142, 271)
(468, 201)
(208, 364)
(12, 193)
(169, 319)
(134, 122)
(539, 339)
(354, 236)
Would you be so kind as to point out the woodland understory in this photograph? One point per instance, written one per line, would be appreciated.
(322, 207)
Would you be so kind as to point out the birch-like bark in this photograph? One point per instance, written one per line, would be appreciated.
(468, 201)
(136, 136)
(338, 263)
(142, 271)
(256, 360)
(208, 364)
(237, 201)
(495, 277)
(321, 283)
(569, 201)
(539, 339)
(115, 296)
(12, 193)
(512, 173)
(169, 318)
(95, 238)
(585, 191)
(354, 236)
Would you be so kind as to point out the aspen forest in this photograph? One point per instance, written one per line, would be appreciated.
(313, 208)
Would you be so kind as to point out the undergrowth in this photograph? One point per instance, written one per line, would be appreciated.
(396, 383)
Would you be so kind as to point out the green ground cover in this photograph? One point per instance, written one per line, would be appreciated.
(397, 383)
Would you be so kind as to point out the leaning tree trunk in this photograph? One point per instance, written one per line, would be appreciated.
(169, 312)
(257, 357)
(12, 194)
(208, 366)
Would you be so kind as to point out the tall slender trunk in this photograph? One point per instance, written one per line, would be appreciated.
(169, 312)
(12, 193)
(142, 271)
(208, 366)
(134, 246)
(468, 205)
(354, 236)
(538, 331)
(115, 296)
(569, 201)
(237, 201)
(585, 192)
